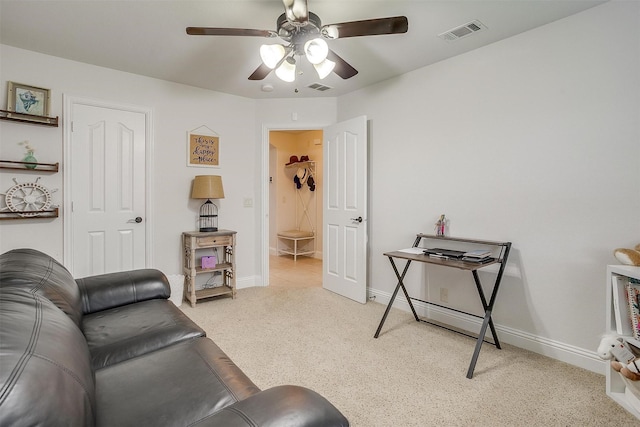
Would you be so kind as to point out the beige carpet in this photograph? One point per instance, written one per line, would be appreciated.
(412, 375)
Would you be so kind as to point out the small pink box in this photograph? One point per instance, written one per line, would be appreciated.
(208, 262)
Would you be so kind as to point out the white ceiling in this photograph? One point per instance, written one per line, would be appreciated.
(148, 37)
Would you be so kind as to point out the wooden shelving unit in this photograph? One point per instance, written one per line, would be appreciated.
(23, 166)
(29, 166)
(28, 118)
(194, 241)
(51, 213)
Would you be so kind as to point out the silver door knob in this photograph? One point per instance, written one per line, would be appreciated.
(359, 219)
(137, 219)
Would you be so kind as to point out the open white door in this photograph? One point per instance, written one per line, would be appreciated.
(345, 209)
(107, 190)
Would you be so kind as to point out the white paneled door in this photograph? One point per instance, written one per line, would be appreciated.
(345, 209)
(107, 154)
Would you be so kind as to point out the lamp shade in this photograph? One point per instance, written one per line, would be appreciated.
(324, 68)
(271, 54)
(316, 50)
(207, 187)
(287, 70)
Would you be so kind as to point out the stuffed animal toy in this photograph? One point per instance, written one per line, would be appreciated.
(624, 361)
(628, 256)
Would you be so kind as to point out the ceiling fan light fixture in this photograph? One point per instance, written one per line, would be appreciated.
(330, 31)
(316, 50)
(271, 54)
(287, 70)
(324, 68)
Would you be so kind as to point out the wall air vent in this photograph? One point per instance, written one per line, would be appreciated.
(462, 31)
(319, 87)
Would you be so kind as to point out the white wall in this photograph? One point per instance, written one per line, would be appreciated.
(176, 110)
(534, 140)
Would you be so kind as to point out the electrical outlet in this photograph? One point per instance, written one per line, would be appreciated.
(444, 295)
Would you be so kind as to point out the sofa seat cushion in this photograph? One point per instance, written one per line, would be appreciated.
(176, 386)
(45, 370)
(132, 330)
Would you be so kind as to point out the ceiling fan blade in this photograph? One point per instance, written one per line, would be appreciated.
(296, 10)
(368, 27)
(205, 31)
(260, 73)
(342, 68)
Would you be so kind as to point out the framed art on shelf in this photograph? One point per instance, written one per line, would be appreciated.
(203, 148)
(25, 99)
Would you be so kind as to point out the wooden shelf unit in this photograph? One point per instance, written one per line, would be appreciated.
(50, 213)
(28, 118)
(194, 241)
(22, 166)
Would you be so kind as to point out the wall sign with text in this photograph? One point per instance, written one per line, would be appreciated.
(203, 148)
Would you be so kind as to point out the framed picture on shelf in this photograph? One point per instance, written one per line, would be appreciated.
(25, 99)
(203, 148)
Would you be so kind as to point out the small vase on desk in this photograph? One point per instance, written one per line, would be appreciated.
(30, 160)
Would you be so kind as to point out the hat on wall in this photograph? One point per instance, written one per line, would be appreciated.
(304, 158)
(292, 160)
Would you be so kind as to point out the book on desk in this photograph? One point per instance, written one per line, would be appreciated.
(444, 253)
(479, 256)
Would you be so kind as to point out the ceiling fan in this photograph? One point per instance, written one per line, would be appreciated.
(305, 35)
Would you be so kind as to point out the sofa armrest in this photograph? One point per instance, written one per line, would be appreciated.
(126, 287)
(286, 405)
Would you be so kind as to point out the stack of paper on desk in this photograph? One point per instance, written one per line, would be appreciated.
(415, 251)
(478, 253)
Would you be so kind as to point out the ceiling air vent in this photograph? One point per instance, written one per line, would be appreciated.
(319, 87)
(462, 31)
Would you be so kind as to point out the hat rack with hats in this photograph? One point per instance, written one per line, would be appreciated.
(305, 171)
(294, 159)
(301, 239)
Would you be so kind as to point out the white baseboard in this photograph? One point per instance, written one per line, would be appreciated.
(567, 353)
(248, 282)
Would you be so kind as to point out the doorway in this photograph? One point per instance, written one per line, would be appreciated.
(345, 242)
(295, 207)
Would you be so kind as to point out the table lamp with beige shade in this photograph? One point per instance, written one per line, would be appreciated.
(207, 187)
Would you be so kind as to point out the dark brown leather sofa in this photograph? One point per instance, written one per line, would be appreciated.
(111, 350)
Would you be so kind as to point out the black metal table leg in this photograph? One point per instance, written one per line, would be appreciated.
(395, 293)
(488, 306)
(476, 352)
(488, 309)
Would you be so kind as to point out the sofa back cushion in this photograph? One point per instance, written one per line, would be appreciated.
(45, 369)
(39, 273)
